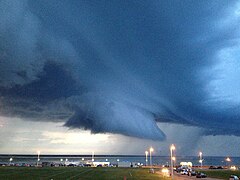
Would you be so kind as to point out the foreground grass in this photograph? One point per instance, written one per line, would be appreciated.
(71, 173)
(221, 174)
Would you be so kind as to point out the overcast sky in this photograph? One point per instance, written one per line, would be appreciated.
(124, 73)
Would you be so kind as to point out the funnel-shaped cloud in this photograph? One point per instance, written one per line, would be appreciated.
(120, 67)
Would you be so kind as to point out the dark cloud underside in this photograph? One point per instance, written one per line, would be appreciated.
(121, 66)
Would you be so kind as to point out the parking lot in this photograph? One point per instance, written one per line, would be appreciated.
(186, 177)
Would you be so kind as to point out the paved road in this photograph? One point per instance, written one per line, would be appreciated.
(178, 176)
(186, 177)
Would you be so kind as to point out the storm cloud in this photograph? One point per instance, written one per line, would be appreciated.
(122, 66)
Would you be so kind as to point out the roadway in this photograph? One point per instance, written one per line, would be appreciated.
(178, 176)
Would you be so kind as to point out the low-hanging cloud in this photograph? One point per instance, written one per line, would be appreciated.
(120, 67)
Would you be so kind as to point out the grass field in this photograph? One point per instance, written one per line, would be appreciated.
(221, 174)
(71, 173)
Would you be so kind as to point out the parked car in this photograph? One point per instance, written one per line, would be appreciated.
(192, 173)
(212, 167)
(219, 167)
(201, 175)
(151, 171)
(87, 165)
(184, 172)
(80, 165)
(179, 169)
(233, 177)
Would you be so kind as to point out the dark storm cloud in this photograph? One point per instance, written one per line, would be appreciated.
(121, 66)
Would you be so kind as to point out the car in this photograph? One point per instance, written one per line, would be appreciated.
(71, 165)
(219, 167)
(80, 165)
(192, 173)
(184, 172)
(212, 167)
(151, 171)
(178, 170)
(233, 177)
(87, 165)
(201, 175)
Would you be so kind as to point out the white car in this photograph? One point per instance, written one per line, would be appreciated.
(151, 171)
(184, 172)
(233, 177)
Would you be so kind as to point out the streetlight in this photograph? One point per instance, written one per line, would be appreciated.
(117, 162)
(228, 161)
(146, 153)
(10, 161)
(38, 153)
(92, 156)
(172, 148)
(200, 159)
(174, 160)
(151, 150)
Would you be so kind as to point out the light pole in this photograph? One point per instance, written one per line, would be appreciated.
(172, 148)
(92, 156)
(117, 162)
(38, 153)
(228, 161)
(174, 160)
(10, 161)
(200, 159)
(146, 153)
(150, 152)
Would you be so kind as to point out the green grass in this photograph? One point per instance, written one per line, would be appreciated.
(221, 174)
(72, 173)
